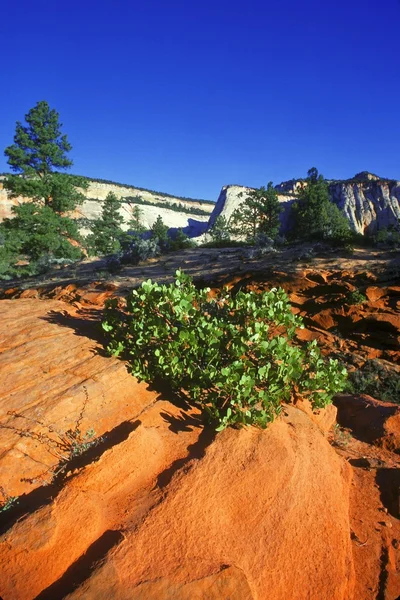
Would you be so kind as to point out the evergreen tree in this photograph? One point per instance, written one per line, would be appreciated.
(37, 230)
(258, 213)
(107, 233)
(180, 241)
(41, 226)
(39, 149)
(315, 217)
(220, 231)
(160, 231)
(135, 224)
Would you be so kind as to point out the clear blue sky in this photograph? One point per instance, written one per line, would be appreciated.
(185, 97)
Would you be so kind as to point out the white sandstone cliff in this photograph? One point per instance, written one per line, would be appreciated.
(369, 202)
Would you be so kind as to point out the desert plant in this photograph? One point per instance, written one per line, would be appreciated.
(6, 501)
(230, 354)
(140, 250)
(64, 445)
(377, 380)
(355, 298)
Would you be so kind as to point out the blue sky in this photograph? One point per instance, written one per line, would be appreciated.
(185, 97)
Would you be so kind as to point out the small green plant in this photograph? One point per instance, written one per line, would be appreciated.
(355, 298)
(232, 355)
(6, 501)
(64, 445)
(341, 436)
(377, 380)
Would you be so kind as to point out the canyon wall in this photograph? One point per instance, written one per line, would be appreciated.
(369, 203)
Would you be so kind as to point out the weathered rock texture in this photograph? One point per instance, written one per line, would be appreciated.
(369, 204)
(181, 514)
(164, 507)
(91, 209)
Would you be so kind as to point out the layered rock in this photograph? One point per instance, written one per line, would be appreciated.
(369, 203)
(192, 223)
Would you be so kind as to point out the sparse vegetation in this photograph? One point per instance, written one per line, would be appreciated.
(377, 380)
(63, 445)
(6, 501)
(233, 355)
(166, 204)
(355, 298)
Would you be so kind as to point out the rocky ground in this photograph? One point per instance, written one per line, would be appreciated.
(161, 506)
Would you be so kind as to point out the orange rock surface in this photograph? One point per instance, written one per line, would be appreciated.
(163, 507)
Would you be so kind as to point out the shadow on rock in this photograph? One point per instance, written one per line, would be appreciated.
(388, 481)
(196, 451)
(365, 416)
(45, 494)
(81, 569)
(86, 323)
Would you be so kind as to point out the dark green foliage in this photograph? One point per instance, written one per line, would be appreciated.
(180, 241)
(135, 224)
(231, 355)
(389, 237)
(259, 213)
(171, 205)
(355, 298)
(36, 230)
(40, 228)
(107, 233)
(160, 231)
(39, 148)
(220, 232)
(377, 380)
(315, 216)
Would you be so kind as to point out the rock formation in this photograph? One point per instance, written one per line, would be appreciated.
(163, 507)
(193, 224)
(369, 202)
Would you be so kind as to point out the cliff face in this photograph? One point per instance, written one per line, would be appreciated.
(192, 223)
(369, 203)
(230, 199)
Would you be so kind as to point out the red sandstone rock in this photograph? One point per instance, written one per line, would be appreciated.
(374, 293)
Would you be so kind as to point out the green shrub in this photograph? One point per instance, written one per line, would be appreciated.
(232, 355)
(355, 298)
(376, 380)
(180, 241)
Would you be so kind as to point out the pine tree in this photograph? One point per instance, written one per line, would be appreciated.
(258, 213)
(39, 149)
(220, 231)
(41, 227)
(135, 224)
(160, 231)
(314, 216)
(107, 233)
